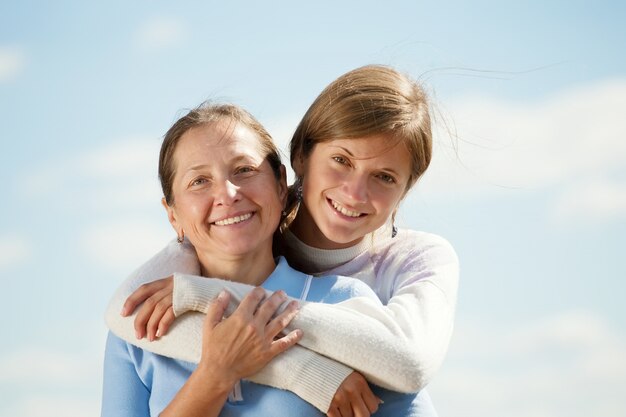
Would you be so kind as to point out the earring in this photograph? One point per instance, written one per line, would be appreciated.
(180, 238)
(299, 189)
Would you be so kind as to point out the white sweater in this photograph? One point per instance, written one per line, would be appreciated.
(398, 346)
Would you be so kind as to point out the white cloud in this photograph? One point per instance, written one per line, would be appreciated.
(160, 33)
(529, 145)
(122, 244)
(56, 383)
(569, 364)
(13, 250)
(121, 175)
(591, 201)
(67, 405)
(12, 61)
(34, 366)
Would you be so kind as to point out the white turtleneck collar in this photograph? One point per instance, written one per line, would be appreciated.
(314, 260)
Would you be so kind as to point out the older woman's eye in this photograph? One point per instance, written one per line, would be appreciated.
(198, 181)
(386, 178)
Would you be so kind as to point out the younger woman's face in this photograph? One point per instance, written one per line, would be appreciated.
(350, 188)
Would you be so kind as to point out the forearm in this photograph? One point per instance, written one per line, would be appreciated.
(202, 395)
(311, 376)
(360, 333)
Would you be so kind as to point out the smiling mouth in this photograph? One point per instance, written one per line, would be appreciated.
(233, 220)
(341, 209)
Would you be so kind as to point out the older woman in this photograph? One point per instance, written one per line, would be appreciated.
(225, 188)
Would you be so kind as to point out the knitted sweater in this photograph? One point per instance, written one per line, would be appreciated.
(415, 274)
(140, 383)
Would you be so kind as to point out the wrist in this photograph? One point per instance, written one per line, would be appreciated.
(216, 376)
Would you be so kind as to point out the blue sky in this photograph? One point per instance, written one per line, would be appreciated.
(528, 180)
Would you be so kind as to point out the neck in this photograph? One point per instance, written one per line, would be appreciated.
(250, 268)
(306, 230)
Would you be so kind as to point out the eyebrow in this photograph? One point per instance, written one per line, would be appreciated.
(239, 158)
(346, 150)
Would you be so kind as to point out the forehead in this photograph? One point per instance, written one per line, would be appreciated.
(221, 139)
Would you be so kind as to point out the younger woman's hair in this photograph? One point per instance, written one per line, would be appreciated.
(368, 101)
(207, 113)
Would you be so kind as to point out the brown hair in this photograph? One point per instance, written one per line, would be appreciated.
(370, 100)
(207, 113)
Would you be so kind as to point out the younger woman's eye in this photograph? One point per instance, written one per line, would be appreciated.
(341, 160)
(244, 169)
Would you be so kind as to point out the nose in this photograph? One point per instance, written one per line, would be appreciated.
(226, 193)
(355, 187)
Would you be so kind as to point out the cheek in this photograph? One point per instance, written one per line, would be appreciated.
(387, 200)
(194, 210)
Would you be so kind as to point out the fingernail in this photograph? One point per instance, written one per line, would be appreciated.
(221, 295)
(123, 312)
(137, 335)
(158, 333)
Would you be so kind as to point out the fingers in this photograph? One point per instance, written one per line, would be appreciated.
(166, 322)
(333, 412)
(250, 303)
(267, 309)
(151, 312)
(354, 398)
(359, 408)
(216, 310)
(278, 324)
(370, 400)
(141, 294)
(345, 409)
(283, 343)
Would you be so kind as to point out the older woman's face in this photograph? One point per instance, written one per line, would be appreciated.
(227, 199)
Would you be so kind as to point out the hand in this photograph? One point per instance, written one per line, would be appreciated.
(156, 314)
(242, 344)
(354, 398)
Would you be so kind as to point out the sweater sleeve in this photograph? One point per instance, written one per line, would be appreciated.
(361, 334)
(123, 392)
(400, 345)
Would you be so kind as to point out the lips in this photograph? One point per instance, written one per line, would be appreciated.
(233, 220)
(341, 209)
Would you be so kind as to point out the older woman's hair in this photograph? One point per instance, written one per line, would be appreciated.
(205, 114)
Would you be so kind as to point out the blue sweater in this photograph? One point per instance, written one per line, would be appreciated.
(140, 383)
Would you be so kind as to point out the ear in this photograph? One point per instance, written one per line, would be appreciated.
(171, 216)
(282, 185)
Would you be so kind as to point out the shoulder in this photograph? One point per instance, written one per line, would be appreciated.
(412, 245)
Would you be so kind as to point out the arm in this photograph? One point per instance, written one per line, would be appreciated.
(411, 332)
(313, 377)
(123, 392)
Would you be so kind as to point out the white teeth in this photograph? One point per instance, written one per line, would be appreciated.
(233, 220)
(344, 211)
